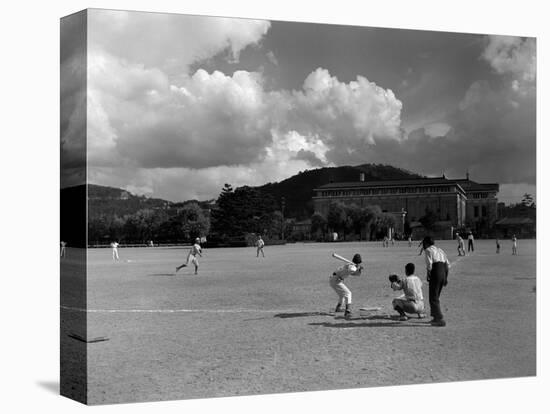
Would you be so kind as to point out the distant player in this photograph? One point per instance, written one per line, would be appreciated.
(460, 247)
(470, 242)
(514, 245)
(385, 242)
(63, 248)
(151, 244)
(410, 241)
(260, 247)
(192, 256)
(412, 300)
(114, 246)
(498, 246)
(336, 282)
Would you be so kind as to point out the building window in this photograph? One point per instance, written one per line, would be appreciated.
(484, 211)
(476, 211)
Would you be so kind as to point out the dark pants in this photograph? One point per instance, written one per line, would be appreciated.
(470, 245)
(438, 277)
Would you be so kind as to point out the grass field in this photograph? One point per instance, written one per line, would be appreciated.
(248, 325)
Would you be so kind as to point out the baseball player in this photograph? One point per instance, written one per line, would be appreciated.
(260, 247)
(437, 269)
(498, 246)
(192, 256)
(514, 245)
(114, 246)
(336, 282)
(460, 248)
(412, 300)
(63, 248)
(470, 242)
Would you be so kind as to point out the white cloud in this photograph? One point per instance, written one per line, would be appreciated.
(211, 119)
(171, 42)
(512, 55)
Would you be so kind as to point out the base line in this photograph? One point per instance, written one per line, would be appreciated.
(70, 308)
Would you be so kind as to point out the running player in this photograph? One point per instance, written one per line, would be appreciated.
(460, 248)
(336, 282)
(114, 246)
(260, 247)
(192, 256)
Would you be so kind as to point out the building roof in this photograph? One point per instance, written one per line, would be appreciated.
(515, 221)
(389, 183)
(464, 183)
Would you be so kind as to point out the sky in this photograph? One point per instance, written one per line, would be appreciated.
(178, 105)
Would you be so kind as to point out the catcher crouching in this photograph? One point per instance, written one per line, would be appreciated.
(412, 300)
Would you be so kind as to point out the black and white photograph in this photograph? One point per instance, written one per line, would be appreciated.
(252, 206)
(264, 198)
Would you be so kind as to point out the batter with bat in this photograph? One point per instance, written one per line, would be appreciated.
(352, 267)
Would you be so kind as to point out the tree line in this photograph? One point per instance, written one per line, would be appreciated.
(237, 213)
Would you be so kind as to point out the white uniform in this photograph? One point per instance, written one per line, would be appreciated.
(115, 245)
(412, 300)
(336, 281)
(193, 253)
(260, 245)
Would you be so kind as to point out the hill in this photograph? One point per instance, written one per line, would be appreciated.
(297, 191)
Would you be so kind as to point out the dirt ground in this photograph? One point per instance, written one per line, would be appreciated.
(248, 325)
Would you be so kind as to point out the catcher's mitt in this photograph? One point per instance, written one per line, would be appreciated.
(393, 278)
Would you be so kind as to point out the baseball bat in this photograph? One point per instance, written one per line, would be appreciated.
(337, 256)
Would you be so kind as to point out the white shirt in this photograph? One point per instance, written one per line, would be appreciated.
(470, 237)
(411, 286)
(347, 270)
(114, 245)
(435, 255)
(195, 249)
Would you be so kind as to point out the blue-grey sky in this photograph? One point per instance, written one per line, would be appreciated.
(179, 105)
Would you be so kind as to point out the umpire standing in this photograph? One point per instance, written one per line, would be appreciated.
(437, 266)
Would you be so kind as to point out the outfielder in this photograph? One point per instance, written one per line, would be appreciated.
(192, 256)
(412, 300)
(260, 246)
(336, 282)
(63, 249)
(115, 245)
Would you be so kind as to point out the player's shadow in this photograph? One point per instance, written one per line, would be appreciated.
(162, 274)
(382, 321)
(301, 314)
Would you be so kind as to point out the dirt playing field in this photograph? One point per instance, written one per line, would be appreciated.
(248, 325)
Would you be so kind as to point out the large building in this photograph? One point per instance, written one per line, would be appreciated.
(461, 202)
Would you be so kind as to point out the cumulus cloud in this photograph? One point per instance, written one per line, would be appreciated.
(212, 119)
(492, 135)
(356, 113)
(171, 42)
(512, 55)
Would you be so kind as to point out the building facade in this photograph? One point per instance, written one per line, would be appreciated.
(461, 202)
